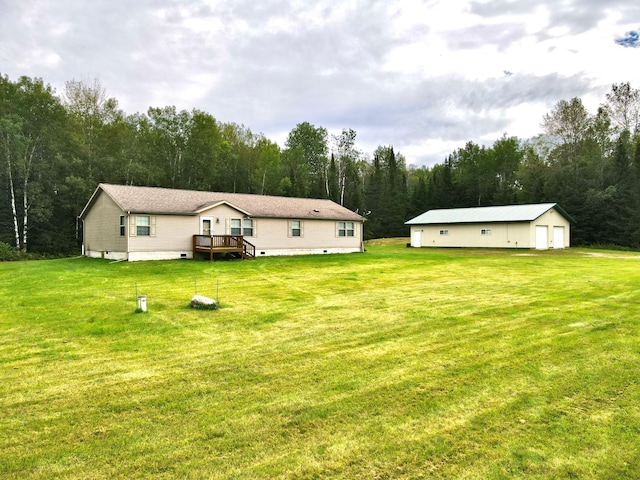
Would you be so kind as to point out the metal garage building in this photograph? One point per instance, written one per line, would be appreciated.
(540, 226)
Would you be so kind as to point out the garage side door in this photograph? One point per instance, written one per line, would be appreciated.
(416, 238)
(558, 237)
(542, 237)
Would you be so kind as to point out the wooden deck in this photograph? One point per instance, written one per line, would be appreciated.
(213, 244)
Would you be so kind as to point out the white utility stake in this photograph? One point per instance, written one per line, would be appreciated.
(142, 303)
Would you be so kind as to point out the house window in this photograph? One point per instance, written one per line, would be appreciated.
(444, 232)
(241, 226)
(485, 231)
(143, 225)
(122, 225)
(235, 226)
(296, 228)
(346, 229)
(247, 229)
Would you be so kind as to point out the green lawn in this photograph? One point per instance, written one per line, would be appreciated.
(396, 363)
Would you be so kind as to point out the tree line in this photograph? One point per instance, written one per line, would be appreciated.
(55, 149)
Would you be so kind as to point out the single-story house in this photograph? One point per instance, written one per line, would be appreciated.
(540, 226)
(148, 223)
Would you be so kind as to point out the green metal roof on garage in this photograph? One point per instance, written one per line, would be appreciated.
(502, 214)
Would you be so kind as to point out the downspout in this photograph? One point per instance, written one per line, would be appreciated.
(82, 248)
(127, 233)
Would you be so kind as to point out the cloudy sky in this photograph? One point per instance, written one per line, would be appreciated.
(423, 76)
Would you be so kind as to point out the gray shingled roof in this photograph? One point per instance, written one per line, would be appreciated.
(154, 200)
(507, 213)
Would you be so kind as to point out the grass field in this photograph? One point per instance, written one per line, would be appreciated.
(396, 363)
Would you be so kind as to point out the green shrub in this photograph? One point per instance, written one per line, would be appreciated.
(8, 253)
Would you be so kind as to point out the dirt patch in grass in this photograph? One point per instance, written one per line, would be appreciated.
(611, 255)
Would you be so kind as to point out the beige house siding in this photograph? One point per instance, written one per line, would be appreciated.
(502, 235)
(171, 230)
(317, 236)
(271, 236)
(173, 233)
(101, 230)
(220, 216)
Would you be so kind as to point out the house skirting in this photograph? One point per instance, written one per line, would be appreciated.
(167, 255)
(268, 252)
(137, 256)
(111, 255)
(177, 255)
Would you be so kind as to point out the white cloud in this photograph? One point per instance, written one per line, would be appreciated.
(425, 76)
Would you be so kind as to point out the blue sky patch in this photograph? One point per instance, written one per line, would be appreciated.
(631, 39)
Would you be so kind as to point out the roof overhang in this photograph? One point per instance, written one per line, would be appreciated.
(498, 215)
(208, 206)
(563, 212)
(93, 198)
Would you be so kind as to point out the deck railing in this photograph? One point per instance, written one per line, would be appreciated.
(223, 243)
(248, 249)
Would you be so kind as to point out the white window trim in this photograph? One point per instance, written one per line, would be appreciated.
(346, 229)
(444, 232)
(254, 224)
(133, 225)
(204, 219)
(253, 227)
(290, 229)
(231, 226)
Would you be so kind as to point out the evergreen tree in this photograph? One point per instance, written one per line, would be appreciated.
(374, 197)
(419, 198)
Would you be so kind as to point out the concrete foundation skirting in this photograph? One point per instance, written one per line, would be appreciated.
(139, 256)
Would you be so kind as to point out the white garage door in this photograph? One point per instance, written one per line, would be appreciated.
(558, 237)
(542, 237)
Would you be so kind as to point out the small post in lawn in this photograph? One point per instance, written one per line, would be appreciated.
(142, 302)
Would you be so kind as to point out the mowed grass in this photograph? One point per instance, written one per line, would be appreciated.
(396, 363)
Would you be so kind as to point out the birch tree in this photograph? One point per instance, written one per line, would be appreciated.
(30, 125)
(623, 107)
(345, 153)
(91, 111)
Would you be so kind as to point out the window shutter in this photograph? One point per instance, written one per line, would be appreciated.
(132, 226)
(255, 228)
(289, 228)
(301, 228)
(227, 226)
(152, 227)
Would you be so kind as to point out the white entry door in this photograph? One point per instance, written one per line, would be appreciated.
(558, 237)
(416, 238)
(206, 226)
(542, 237)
